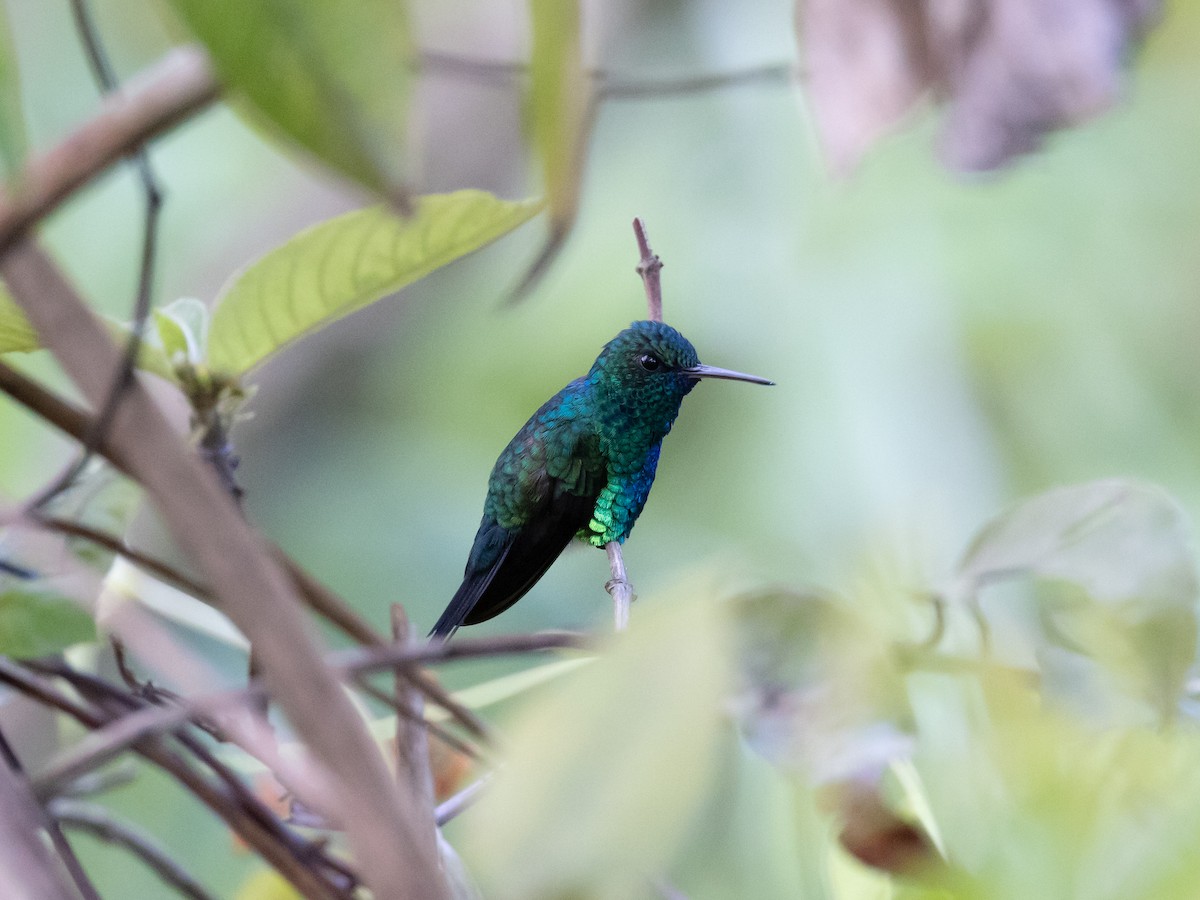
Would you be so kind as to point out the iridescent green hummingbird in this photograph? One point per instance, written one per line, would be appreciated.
(582, 466)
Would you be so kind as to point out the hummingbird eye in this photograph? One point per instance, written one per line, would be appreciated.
(650, 362)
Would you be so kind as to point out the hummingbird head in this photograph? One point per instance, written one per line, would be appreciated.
(647, 370)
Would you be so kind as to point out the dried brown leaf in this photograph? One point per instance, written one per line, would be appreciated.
(1008, 71)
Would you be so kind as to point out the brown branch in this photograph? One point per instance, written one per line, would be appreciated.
(100, 824)
(295, 859)
(504, 73)
(78, 424)
(251, 587)
(58, 412)
(107, 742)
(24, 859)
(66, 853)
(114, 544)
(414, 773)
(389, 701)
(648, 267)
(378, 659)
(617, 89)
(173, 89)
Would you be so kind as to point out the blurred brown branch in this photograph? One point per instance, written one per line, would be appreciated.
(250, 586)
(102, 825)
(169, 92)
(24, 859)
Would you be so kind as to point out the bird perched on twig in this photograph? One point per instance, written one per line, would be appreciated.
(582, 466)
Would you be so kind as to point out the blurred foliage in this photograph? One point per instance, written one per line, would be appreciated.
(333, 78)
(1016, 721)
(38, 622)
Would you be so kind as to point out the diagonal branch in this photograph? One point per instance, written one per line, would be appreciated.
(106, 743)
(169, 92)
(252, 589)
(25, 862)
(102, 825)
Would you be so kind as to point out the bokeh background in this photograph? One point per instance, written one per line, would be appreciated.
(942, 345)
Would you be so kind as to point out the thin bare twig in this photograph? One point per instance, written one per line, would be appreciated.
(433, 728)
(609, 85)
(461, 801)
(21, 849)
(114, 544)
(78, 424)
(326, 603)
(66, 853)
(649, 266)
(302, 862)
(107, 742)
(106, 78)
(64, 416)
(414, 773)
(101, 824)
(169, 92)
(618, 586)
(377, 659)
(612, 88)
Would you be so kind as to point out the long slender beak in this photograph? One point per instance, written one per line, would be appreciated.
(703, 371)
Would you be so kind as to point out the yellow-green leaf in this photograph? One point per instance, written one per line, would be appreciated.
(558, 117)
(344, 264)
(558, 103)
(16, 334)
(333, 77)
(37, 623)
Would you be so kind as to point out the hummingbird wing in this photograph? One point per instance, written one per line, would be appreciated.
(542, 492)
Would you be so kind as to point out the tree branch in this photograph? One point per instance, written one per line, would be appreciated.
(304, 864)
(75, 422)
(173, 89)
(107, 742)
(25, 863)
(250, 586)
(414, 773)
(99, 823)
(649, 266)
(107, 80)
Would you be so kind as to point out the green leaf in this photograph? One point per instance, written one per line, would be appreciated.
(341, 265)
(1034, 804)
(16, 334)
(558, 118)
(182, 330)
(1118, 582)
(333, 77)
(557, 106)
(37, 623)
(606, 770)
(12, 120)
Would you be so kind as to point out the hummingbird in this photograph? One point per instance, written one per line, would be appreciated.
(581, 467)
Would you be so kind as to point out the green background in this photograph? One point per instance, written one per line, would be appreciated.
(941, 344)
